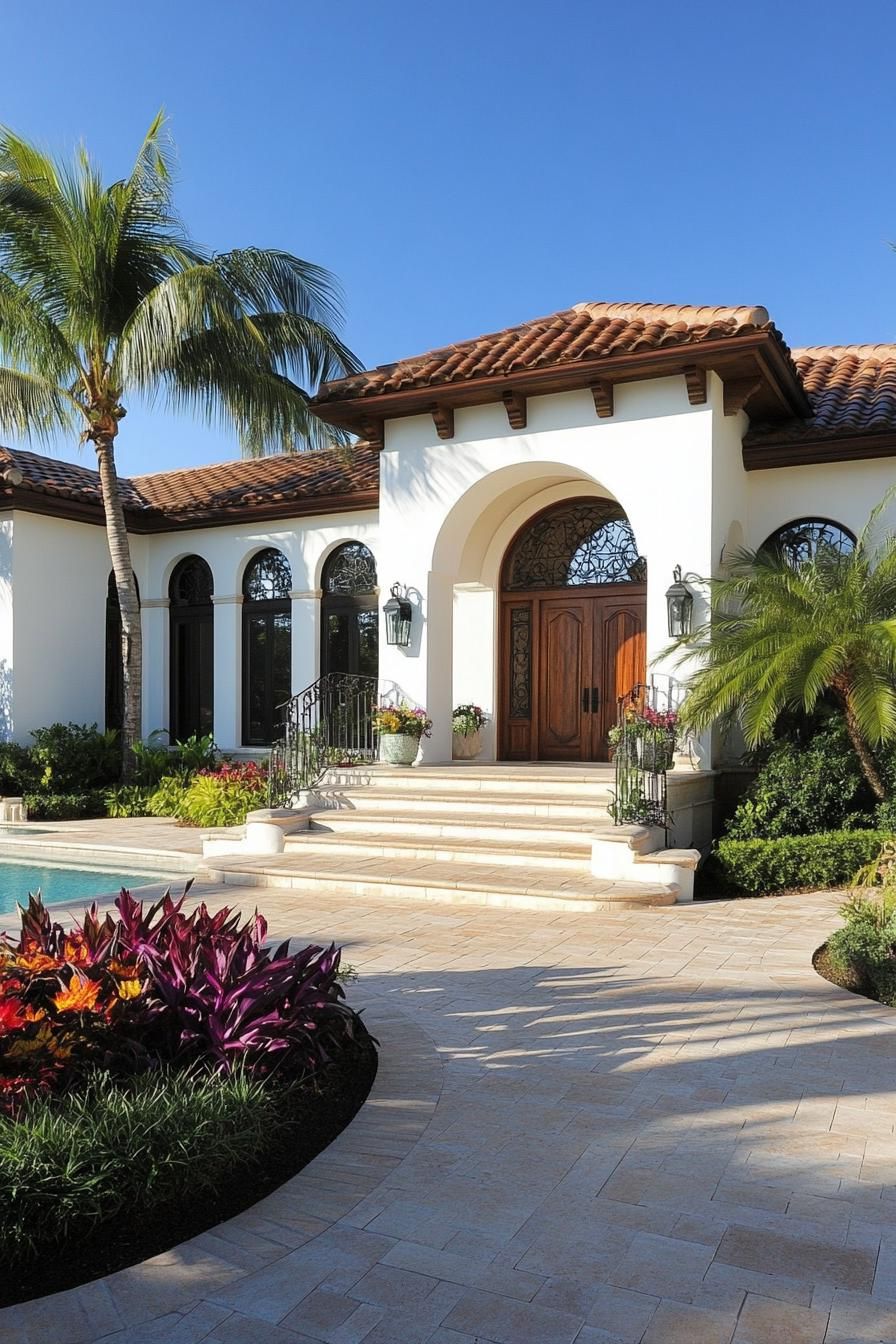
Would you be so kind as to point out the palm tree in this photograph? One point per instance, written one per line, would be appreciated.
(104, 295)
(781, 636)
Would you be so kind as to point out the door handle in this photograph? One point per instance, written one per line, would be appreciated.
(595, 699)
(584, 699)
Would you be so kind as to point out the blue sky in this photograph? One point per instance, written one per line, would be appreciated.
(466, 165)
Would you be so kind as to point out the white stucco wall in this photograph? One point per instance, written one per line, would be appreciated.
(60, 570)
(844, 492)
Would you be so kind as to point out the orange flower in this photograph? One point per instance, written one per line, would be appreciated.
(75, 950)
(128, 989)
(36, 962)
(80, 996)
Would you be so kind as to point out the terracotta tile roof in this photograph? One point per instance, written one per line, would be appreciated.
(852, 388)
(204, 492)
(586, 331)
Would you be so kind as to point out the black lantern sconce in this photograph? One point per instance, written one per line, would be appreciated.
(397, 612)
(680, 605)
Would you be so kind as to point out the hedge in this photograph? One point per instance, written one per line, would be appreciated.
(65, 806)
(764, 867)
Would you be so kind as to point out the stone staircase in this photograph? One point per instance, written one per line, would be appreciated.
(523, 836)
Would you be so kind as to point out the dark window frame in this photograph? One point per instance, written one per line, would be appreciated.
(349, 605)
(185, 622)
(267, 609)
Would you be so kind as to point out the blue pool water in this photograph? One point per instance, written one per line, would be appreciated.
(60, 884)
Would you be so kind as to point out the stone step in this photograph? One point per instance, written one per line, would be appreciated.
(456, 825)
(570, 855)
(391, 801)
(499, 780)
(455, 883)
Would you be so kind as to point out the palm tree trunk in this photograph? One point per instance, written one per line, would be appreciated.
(128, 602)
(862, 750)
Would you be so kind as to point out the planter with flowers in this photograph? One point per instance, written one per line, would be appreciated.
(466, 723)
(400, 729)
(646, 737)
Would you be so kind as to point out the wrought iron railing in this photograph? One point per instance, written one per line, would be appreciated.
(645, 739)
(328, 724)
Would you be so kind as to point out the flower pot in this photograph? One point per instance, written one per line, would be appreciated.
(466, 746)
(398, 748)
(654, 755)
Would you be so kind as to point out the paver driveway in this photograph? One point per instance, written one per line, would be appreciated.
(658, 1126)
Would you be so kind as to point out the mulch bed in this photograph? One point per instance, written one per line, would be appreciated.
(326, 1107)
(849, 979)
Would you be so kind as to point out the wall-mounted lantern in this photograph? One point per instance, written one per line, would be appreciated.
(397, 612)
(680, 605)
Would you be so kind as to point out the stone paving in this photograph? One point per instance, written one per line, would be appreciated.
(656, 1126)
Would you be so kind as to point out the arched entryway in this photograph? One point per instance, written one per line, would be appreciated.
(350, 618)
(191, 616)
(573, 613)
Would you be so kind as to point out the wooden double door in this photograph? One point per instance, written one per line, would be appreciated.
(567, 658)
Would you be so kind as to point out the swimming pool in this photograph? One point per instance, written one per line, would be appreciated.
(59, 883)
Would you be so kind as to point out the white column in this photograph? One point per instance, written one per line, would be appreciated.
(156, 672)
(228, 668)
(305, 638)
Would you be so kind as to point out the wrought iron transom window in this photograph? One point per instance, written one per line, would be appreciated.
(191, 583)
(268, 577)
(585, 542)
(805, 538)
(350, 571)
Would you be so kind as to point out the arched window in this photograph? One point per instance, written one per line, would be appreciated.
(114, 660)
(350, 619)
(267, 644)
(805, 538)
(192, 653)
(579, 543)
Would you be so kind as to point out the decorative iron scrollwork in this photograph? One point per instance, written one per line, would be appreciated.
(191, 583)
(805, 538)
(520, 663)
(350, 571)
(586, 542)
(268, 577)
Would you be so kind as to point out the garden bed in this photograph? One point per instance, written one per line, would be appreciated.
(161, 1069)
(846, 977)
(314, 1117)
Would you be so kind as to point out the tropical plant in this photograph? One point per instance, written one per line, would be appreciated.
(105, 296)
(156, 985)
(393, 719)
(783, 636)
(224, 796)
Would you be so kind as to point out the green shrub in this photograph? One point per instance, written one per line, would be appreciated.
(19, 773)
(865, 948)
(804, 788)
(71, 1163)
(75, 757)
(166, 799)
(762, 867)
(225, 796)
(128, 800)
(155, 759)
(65, 806)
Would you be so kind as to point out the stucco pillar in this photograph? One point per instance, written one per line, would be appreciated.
(228, 680)
(305, 638)
(154, 617)
(439, 627)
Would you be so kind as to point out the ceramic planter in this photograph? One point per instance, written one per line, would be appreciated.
(398, 748)
(466, 746)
